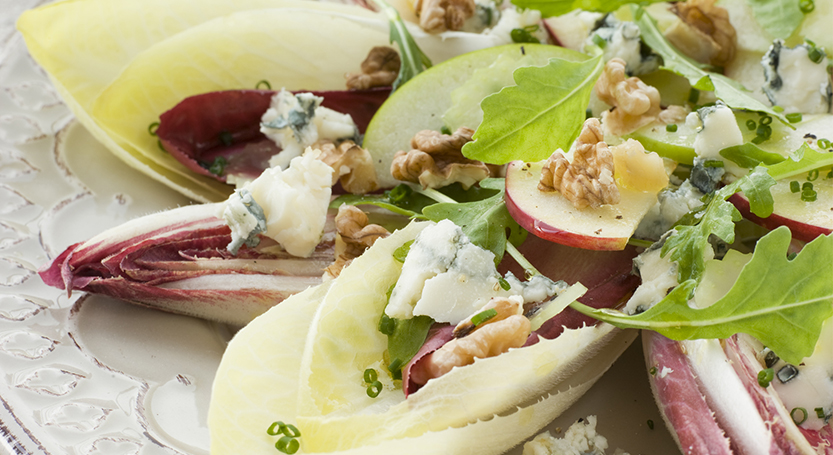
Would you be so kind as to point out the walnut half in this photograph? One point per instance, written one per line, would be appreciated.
(379, 69)
(704, 33)
(587, 181)
(436, 161)
(436, 16)
(354, 235)
(352, 164)
(510, 329)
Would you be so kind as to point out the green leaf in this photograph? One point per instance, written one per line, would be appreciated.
(407, 337)
(781, 302)
(780, 18)
(731, 92)
(809, 159)
(749, 155)
(558, 7)
(401, 200)
(542, 113)
(485, 222)
(756, 186)
(414, 61)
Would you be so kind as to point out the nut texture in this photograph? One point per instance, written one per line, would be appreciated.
(705, 34)
(353, 236)
(436, 16)
(353, 165)
(436, 161)
(379, 69)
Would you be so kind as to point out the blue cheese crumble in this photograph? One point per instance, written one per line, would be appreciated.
(621, 39)
(716, 129)
(794, 81)
(448, 278)
(288, 206)
(296, 121)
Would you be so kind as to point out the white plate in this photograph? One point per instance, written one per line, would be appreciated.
(92, 375)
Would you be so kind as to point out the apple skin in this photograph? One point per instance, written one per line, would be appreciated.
(800, 230)
(551, 217)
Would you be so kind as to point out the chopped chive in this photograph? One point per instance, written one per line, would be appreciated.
(795, 187)
(806, 6)
(374, 389)
(713, 163)
(287, 445)
(370, 375)
(653, 371)
(159, 144)
(824, 143)
(152, 128)
(520, 35)
(276, 428)
(813, 175)
(395, 366)
(588, 113)
(809, 196)
(650, 424)
(792, 256)
(672, 128)
(504, 284)
(218, 166)
(263, 85)
(291, 431)
(387, 325)
(599, 41)
(445, 130)
(693, 96)
(819, 413)
(765, 377)
(226, 138)
(794, 117)
(807, 186)
(399, 193)
(751, 125)
(483, 316)
(766, 120)
(816, 55)
(794, 415)
(778, 109)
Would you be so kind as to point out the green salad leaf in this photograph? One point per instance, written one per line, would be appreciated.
(558, 7)
(485, 222)
(689, 244)
(780, 18)
(731, 92)
(749, 155)
(414, 61)
(808, 159)
(407, 337)
(542, 113)
(780, 302)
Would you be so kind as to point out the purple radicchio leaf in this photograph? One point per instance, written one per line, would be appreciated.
(226, 125)
(177, 261)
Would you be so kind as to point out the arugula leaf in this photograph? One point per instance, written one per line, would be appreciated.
(400, 200)
(731, 92)
(689, 244)
(407, 337)
(779, 18)
(542, 113)
(781, 302)
(485, 222)
(749, 155)
(558, 7)
(809, 159)
(414, 61)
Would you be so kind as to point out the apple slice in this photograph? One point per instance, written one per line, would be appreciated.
(806, 220)
(552, 217)
(421, 103)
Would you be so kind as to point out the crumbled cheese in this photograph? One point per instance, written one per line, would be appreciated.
(293, 202)
(659, 275)
(580, 439)
(671, 205)
(448, 278)
(622, 40)
(486, 14)
(296, 121)
(665, 372)
(511, 19)
(716, 129)
(795, 82)
(245, 218)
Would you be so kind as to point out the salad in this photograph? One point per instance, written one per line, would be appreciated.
(634, 142)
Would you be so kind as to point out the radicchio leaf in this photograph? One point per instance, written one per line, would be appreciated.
(225, 125)
(177, 261)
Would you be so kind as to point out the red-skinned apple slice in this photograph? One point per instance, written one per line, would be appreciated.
(806, 220)
(554, 218)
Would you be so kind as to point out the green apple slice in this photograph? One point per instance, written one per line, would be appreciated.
(421, 103)
(552, 217)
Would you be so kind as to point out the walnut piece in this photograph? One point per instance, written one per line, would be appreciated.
(493, 337)
(635, 104)
(588, 180)
(379, 69)
(353, 237)
(436, 161)
(705, 33)
(436, 16)
(353, 165)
